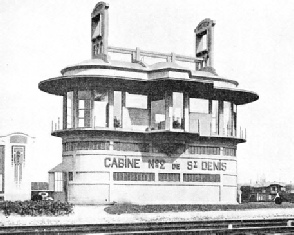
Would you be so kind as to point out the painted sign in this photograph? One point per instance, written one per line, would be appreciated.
(167, 164)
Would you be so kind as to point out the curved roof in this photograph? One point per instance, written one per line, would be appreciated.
(141, 78)
(140, 67)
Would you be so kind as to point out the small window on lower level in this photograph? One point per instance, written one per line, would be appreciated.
(133, 176)
(173, 177)
(201, 178)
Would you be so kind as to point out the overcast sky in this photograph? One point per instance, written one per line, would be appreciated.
(254, 45)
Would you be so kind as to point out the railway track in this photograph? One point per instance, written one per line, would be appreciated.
(269, 226)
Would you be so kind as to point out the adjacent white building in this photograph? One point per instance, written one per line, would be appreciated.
(16, 150)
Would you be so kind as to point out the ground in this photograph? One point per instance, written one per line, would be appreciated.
(98, 215)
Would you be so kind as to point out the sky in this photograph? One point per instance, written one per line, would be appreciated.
(254, 44)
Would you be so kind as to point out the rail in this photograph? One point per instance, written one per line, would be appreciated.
(229, 132)
(137, 54)
(260, 226)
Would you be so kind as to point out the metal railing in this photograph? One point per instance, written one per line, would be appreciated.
(239, 133)
(137, 55)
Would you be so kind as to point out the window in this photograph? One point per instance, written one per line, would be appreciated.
(136, 101)
(84, 108)
(133, 176)
(101, 108)
(175, 177)
(58, 186)
(199, 105)
(234, 120)
(228, 119)
(158, 114)
(117, 109)
(202, 44)
(201, 177)
(18, 161)
(86, 145)
(136, 115)
(214, 116)
(18, 139)
(69, 109)
(178, 104)
(207, 150)
(229, 151)
(70, 176)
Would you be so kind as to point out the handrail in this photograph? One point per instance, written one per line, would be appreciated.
(171, 57)
(239, 133)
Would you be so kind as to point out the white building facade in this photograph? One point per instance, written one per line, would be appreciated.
(16, 150)
(158, 133)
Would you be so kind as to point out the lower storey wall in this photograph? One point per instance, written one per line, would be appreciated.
(151, 194)
(165, 194)
(88, 194)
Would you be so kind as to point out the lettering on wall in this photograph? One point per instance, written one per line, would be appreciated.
(207, 165)
(190, 165)
(122, 162)
(156, 163)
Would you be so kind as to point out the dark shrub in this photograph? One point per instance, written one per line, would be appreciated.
(36, 208)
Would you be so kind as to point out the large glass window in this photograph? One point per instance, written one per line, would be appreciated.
(158, 114)
(136, 101)
(136, 115)
(228, 124)
(234, 120)
(117, 109)
(199, 105)
(69, 109)
(84, 108)
(101, 109)
(199, 116)
(214, 116)
(178, 104)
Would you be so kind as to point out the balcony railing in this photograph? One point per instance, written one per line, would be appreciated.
(205, 129)
(138, 55)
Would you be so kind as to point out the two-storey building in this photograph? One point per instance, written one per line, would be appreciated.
(148, 133)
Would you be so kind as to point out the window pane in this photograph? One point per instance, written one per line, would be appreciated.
(178, 104)
(234, 120)
(81, 122)
(101, 108)
(199, 105)
(84, 108)
(81, 104)
(81, 113)
(84, 95)
(69, 111)
(136, 101)
(214, 116)
(158, 114)
(117, 108)
(228, 123)
(136, 115)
